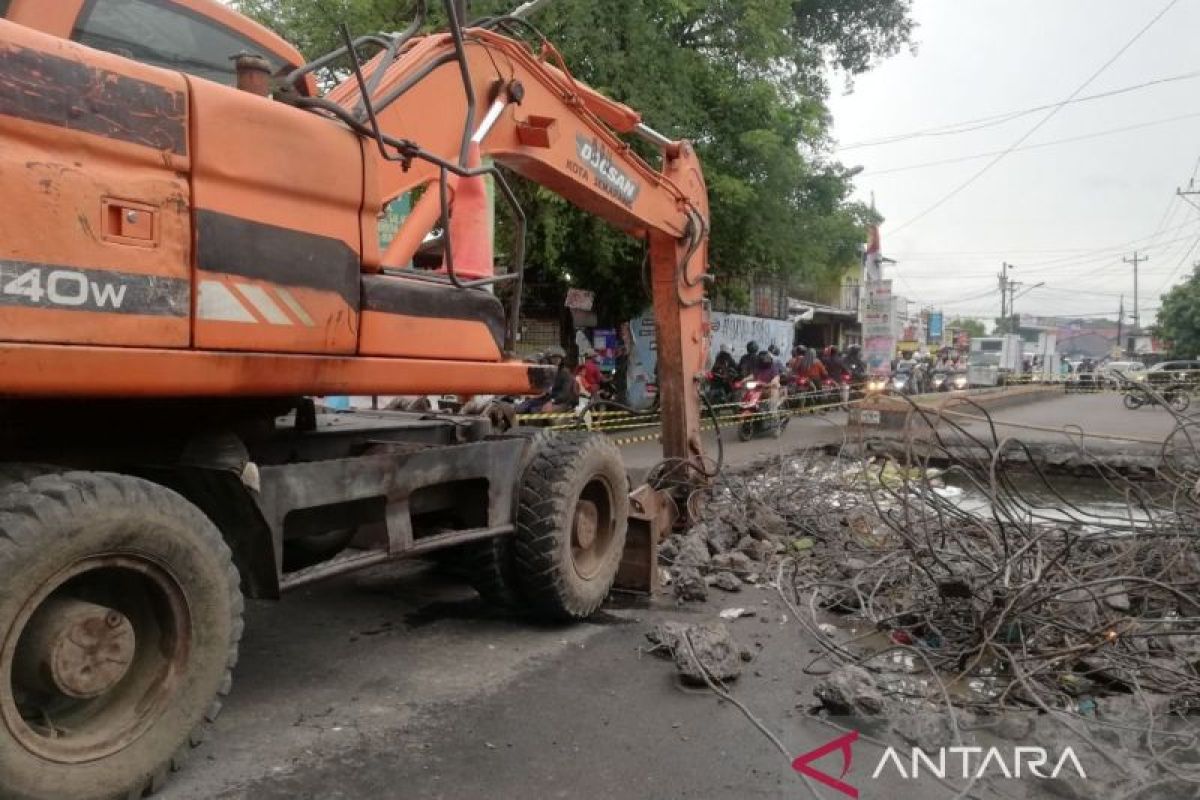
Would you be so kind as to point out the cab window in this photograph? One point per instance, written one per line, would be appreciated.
(164, 35)
(4, 4)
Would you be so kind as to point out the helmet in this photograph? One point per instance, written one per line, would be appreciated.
(773, 349)
(724, 348)
(765, 359)
(555, 352)
(751, 347)
(853, 349)
(798, 350)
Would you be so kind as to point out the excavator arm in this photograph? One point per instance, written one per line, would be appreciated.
(437, 104)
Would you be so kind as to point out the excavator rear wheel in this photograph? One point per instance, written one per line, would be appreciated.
(571, 524)
(120, 615)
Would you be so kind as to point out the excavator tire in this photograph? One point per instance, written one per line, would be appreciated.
(489, 565)
(120, 617)
(571, 524)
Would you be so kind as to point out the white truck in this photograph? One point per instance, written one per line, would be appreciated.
(992, 360)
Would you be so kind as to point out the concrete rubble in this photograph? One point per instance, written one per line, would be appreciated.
(699, 649)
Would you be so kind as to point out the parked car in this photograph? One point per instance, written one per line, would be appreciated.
(1169, 372)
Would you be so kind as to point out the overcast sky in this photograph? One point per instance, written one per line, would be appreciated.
(1064, 214)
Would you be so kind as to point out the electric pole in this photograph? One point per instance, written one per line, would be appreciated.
(1137, 322)
(1004, 294)
(1012, 306)
(1121, 324)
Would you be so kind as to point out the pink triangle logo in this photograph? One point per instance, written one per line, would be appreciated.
(803, 764)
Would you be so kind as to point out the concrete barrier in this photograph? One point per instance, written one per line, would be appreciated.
(892, 413)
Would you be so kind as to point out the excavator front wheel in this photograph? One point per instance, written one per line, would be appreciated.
(120, 615)
(571, 524)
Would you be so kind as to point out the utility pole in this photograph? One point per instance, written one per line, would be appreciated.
(1004, 294)
(1137, 322)
(1012, 299)
(1121, 324)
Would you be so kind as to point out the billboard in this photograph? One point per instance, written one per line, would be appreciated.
(879, 325)
(935, 327)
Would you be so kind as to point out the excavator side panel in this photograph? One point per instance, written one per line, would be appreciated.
(277, 194)
(95, 240)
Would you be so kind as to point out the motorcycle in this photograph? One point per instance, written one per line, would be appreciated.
(720, 389)
(754, 414)
(904, 383)
(1175, 396)
(845, 384)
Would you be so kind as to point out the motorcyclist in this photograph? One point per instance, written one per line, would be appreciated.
(793, 365)
(834, 364)
(766, 371)
(747, 361)
(854, 363)
(562, 392)
(723, 365)
(725, 374)
(773, 349)
(590, 377)
(809, 372)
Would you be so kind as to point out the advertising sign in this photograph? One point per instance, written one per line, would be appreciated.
(935, 327)
(878, 314)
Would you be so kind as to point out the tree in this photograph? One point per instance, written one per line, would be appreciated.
(973, 327)
(745, 80)
(1179, 318)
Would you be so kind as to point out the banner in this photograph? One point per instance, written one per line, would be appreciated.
(879, 327)
(935, 327)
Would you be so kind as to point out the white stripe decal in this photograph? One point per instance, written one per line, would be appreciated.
(292, 303)
(218, 304)
(258, 297)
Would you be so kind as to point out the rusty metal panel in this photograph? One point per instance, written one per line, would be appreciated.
(651, 514)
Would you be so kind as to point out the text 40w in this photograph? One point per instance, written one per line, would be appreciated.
(64, 287)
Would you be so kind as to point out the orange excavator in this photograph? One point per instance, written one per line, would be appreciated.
(190, 253)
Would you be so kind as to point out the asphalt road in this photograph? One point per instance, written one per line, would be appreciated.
(1100, 414)
(399, 683)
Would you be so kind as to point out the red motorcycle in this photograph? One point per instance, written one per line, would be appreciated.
(754, 411)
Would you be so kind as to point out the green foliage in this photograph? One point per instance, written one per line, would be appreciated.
(1179, 318)
(973, 327)
(745, 80)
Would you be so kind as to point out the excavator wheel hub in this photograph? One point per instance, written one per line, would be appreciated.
(81, 649)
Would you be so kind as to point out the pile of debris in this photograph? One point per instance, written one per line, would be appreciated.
(995, 599)
(748, 524)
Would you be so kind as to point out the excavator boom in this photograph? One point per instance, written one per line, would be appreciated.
(525, 111)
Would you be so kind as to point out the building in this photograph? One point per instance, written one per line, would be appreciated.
(829, 315)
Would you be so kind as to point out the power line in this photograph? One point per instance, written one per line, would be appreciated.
(1101, 258)
(1035, 146)
(1038, 125)
(981, 123)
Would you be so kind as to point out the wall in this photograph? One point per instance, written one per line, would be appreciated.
(734, 330)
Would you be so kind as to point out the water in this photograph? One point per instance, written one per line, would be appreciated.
(1088, 502)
